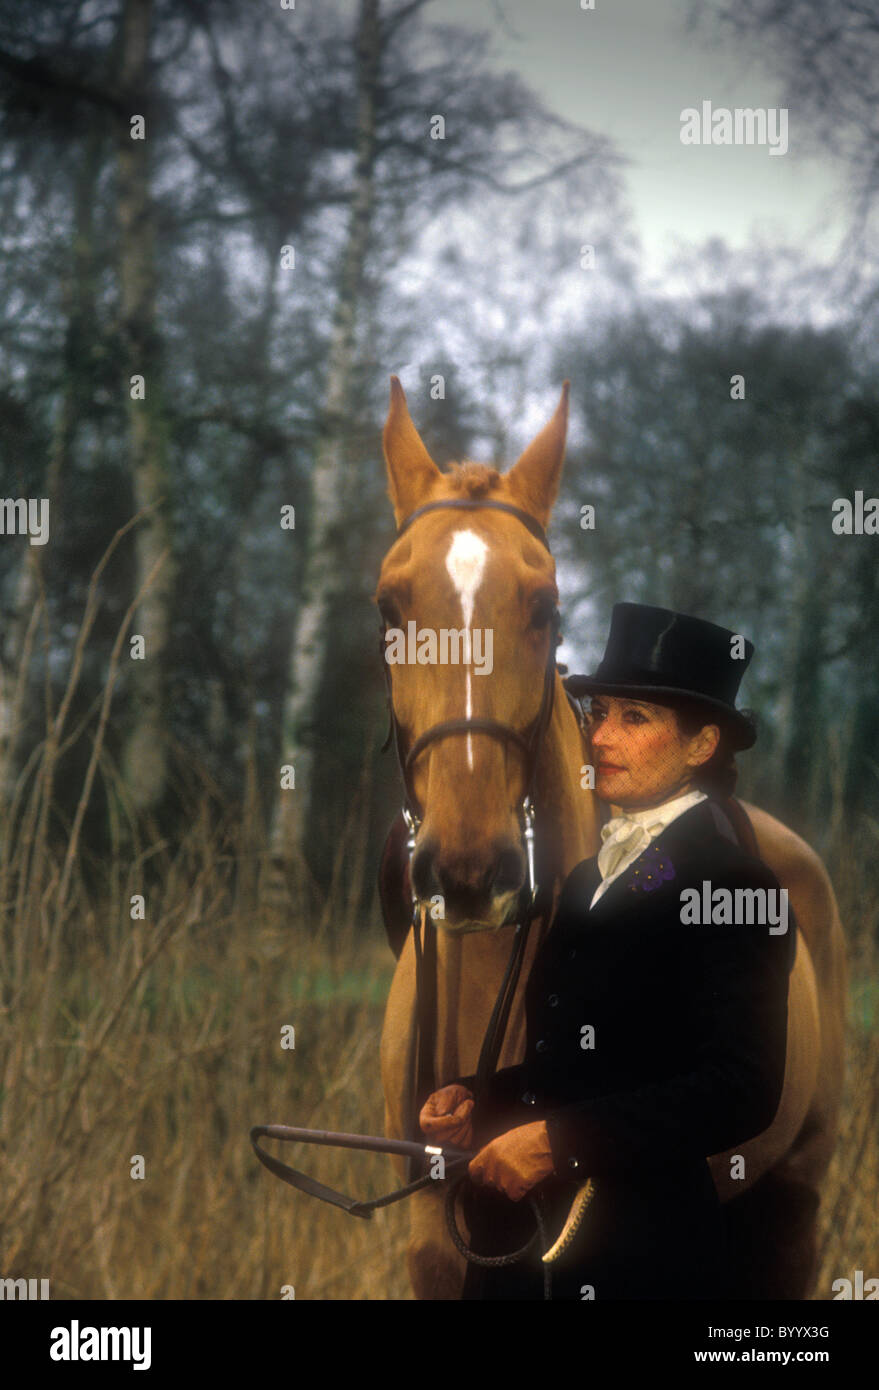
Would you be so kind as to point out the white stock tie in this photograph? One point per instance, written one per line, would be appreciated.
(624, 838)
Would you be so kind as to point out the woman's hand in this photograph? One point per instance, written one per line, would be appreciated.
(445, 1116)
(516, 1161)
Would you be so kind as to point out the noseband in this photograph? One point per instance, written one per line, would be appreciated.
(529, 742)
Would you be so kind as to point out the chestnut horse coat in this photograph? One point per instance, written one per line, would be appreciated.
(690, 1025)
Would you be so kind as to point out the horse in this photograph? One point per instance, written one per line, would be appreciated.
(478, 564)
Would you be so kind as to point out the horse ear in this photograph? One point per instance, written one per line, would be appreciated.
(535, 476)
(411, 470)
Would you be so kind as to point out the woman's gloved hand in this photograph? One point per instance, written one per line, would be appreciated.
(445, 1116)
(514, 1162)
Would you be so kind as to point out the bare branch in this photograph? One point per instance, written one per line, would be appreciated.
(36, 73)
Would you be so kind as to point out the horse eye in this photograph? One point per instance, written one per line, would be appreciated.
(542, 609)
(390, 613)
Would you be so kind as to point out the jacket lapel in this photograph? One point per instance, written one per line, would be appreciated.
(591, 881)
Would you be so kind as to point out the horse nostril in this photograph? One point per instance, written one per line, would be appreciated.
(424, 876)
(508, 871)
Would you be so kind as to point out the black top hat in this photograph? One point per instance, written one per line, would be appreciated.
(653, 651)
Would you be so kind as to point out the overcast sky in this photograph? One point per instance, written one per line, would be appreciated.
(627, 70)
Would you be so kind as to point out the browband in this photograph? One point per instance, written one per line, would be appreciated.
(472, 502)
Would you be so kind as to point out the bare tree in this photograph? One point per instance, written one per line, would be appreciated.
(330, 472)
(145, 755)
(828, 56)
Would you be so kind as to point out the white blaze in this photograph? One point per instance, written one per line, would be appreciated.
(465, 563)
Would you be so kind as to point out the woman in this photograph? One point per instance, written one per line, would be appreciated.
(654, 1038)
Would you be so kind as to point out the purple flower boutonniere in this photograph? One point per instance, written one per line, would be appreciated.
(651, 869)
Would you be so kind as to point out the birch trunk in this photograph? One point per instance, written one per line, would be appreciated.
(145, 755)
(328, 506)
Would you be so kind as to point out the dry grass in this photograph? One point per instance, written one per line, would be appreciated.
(162, 1038)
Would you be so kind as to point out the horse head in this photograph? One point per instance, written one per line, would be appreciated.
(468, 599)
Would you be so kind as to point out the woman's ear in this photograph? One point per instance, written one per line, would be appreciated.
(703, 745)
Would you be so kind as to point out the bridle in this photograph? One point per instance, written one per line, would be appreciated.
(526, 907)
(531, 903)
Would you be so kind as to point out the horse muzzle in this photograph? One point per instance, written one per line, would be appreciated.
(467, 891)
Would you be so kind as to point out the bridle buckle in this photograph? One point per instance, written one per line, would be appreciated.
(528, 836)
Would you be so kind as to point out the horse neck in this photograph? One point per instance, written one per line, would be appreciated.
(470, 968)
(566, 812)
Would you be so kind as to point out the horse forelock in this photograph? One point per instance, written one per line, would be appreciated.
(473, 479)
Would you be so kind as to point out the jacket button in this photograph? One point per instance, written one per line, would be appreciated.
(529, 1098)
(573, 955)
(541, 1045)
(573, 1163)
(553, 1000)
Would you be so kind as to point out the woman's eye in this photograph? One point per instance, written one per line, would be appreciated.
(633, 717)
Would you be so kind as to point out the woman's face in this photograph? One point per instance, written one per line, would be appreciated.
(640, 757)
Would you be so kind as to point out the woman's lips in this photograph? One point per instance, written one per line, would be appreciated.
(610, 767)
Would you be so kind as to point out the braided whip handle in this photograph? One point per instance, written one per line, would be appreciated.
(581, 1201)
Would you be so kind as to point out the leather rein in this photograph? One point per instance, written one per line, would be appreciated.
(530, 904)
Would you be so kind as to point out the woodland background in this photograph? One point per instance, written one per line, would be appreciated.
(267, 386)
